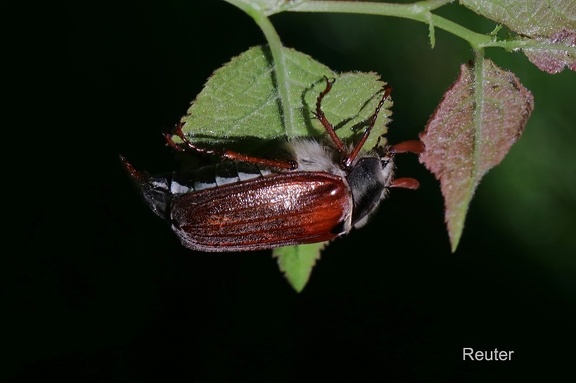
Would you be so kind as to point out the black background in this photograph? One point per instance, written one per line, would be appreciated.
(117, 299)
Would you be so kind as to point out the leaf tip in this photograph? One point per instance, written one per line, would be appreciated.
(296, 262)
(455, 235)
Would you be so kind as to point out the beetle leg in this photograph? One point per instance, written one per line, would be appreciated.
(319, 114)
(225, 153)
(352, 156)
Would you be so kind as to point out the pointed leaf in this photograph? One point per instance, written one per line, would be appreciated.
(550, 24)
(240, 101)
(479, 119)
(296, 262)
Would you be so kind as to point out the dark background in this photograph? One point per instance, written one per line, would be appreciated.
(101, 290)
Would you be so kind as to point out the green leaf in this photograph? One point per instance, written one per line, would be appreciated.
(241, 102)
(296, 262)
(471, 131)
(241, 107)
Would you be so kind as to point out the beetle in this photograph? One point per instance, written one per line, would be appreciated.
(247, 203)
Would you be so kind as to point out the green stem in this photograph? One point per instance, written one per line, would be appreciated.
(278, 59)
(529, 44)
(433, 4)
(478, 78)
(419, 11)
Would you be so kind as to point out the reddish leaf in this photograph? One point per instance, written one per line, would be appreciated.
(553, 60)
(470, 132)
